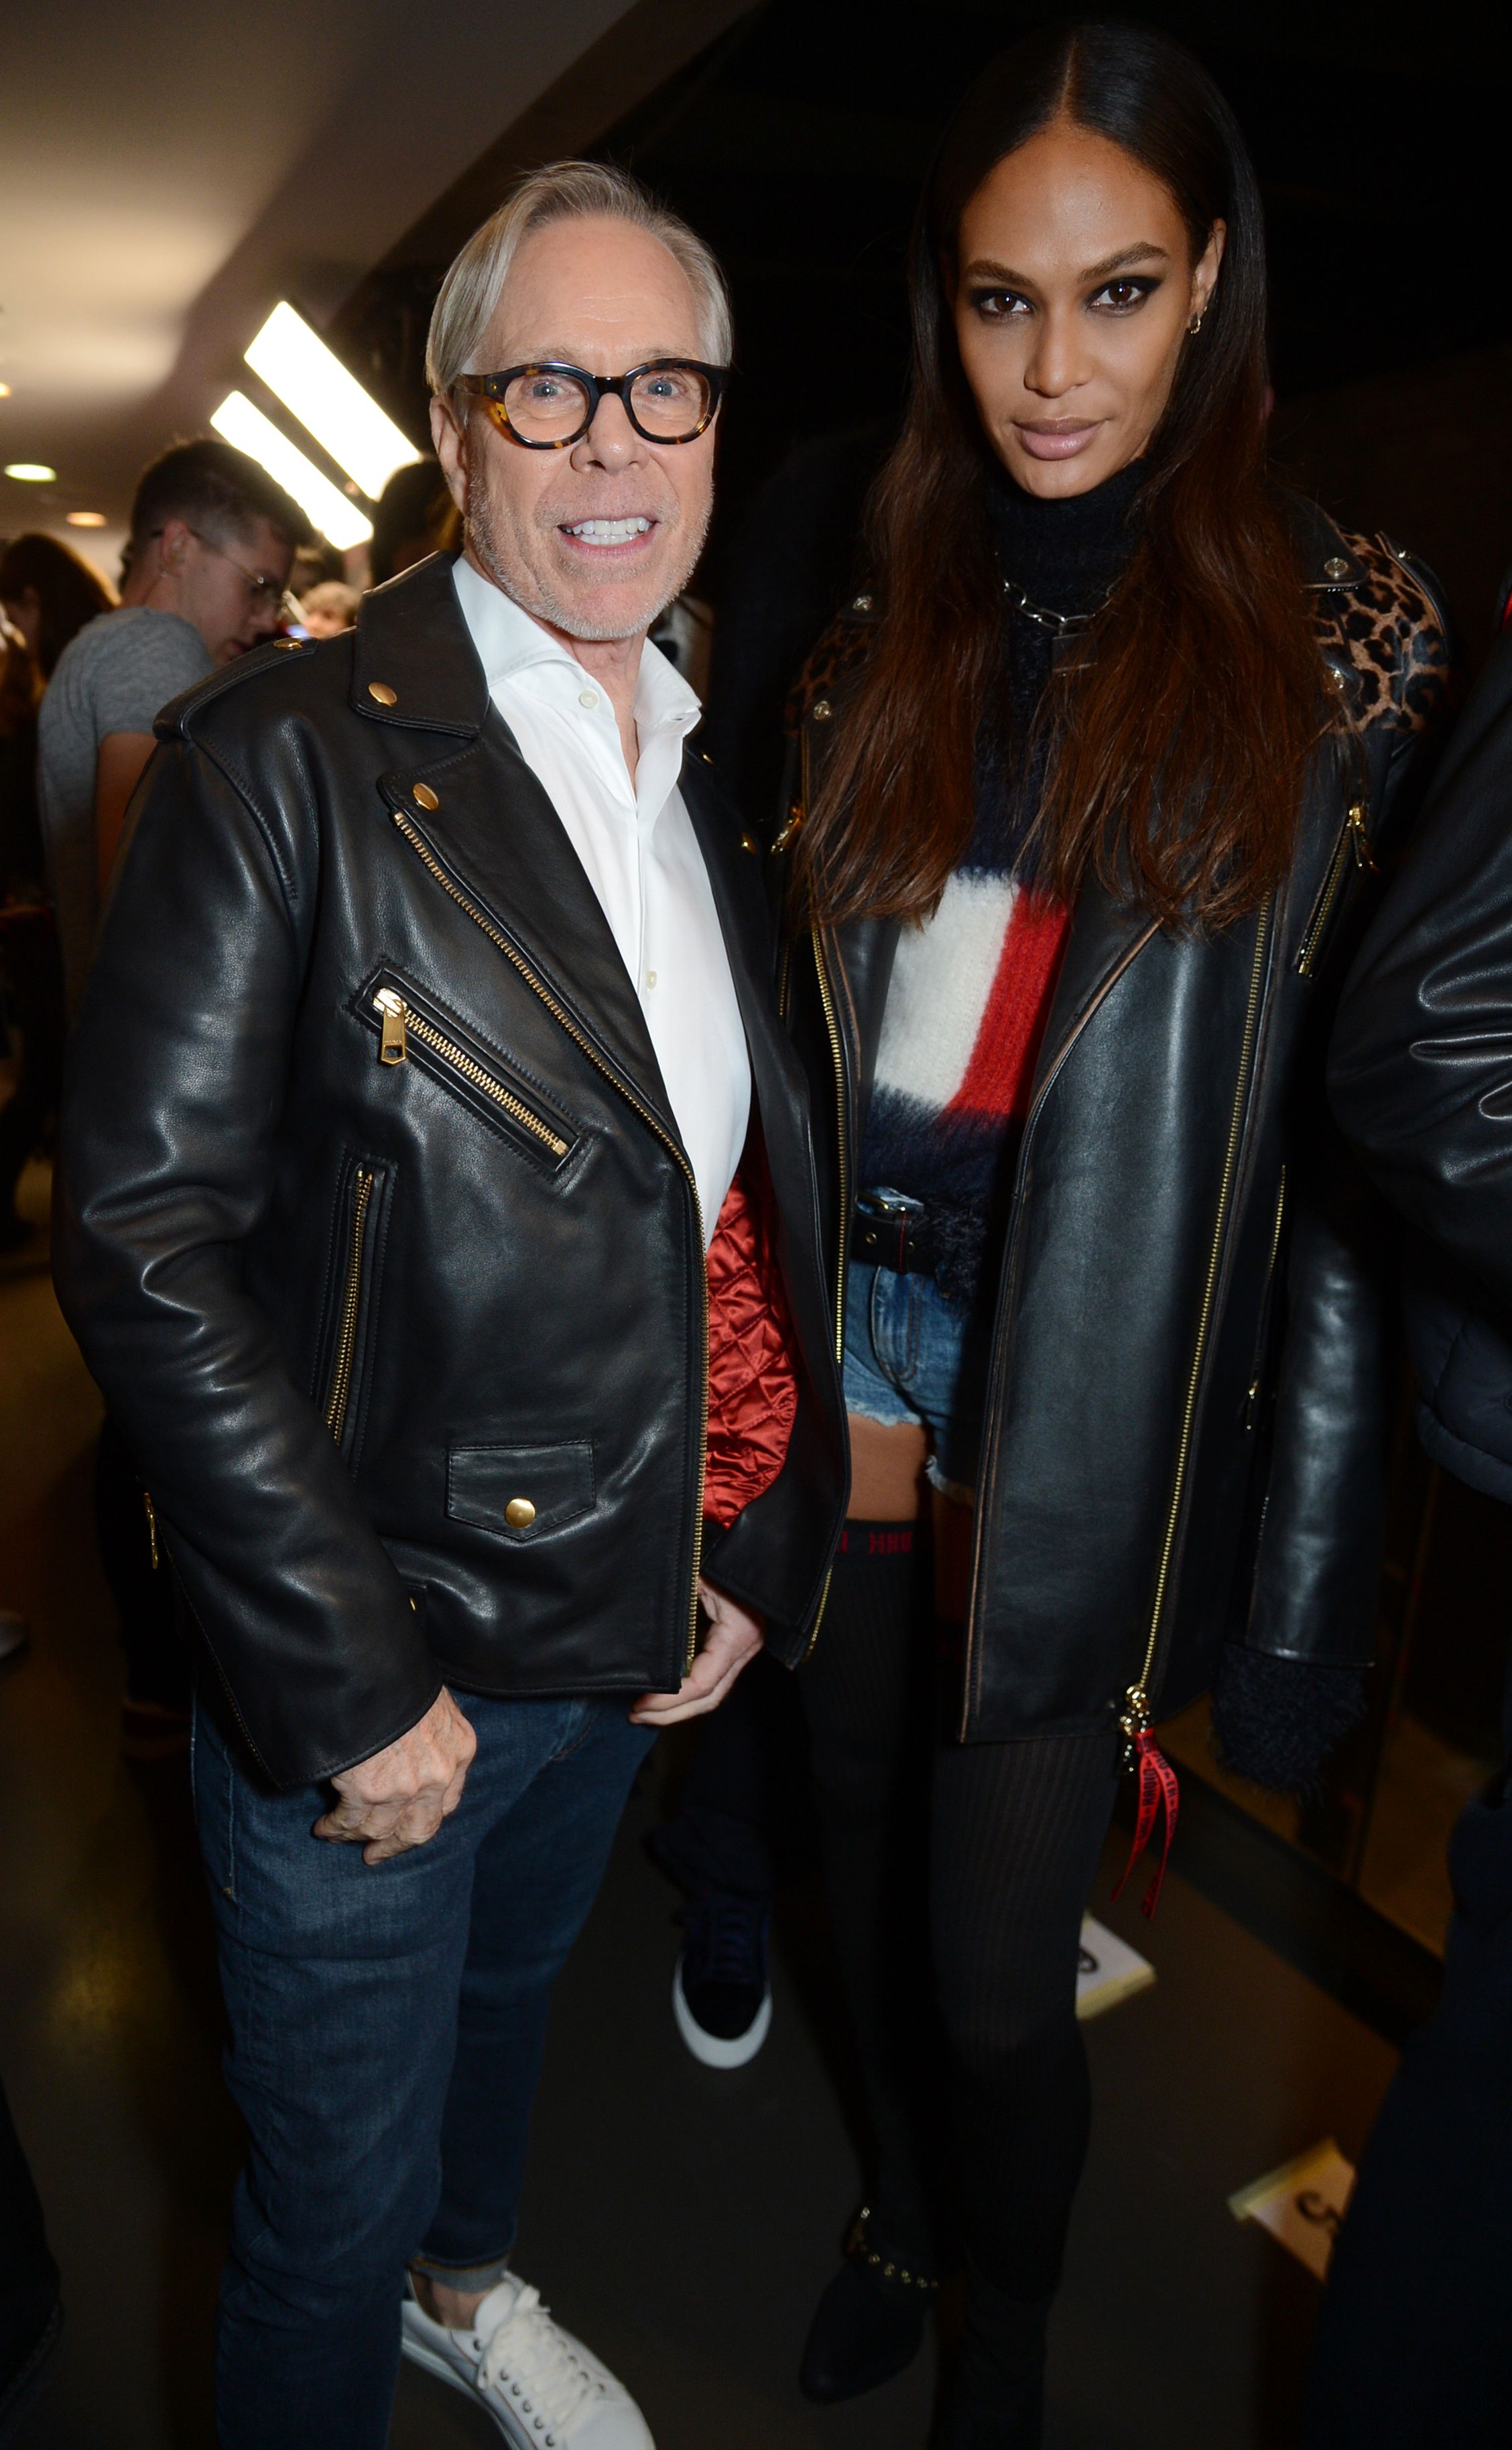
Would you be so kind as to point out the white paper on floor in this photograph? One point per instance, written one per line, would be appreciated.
(1110, 1971)
(1301, 2203)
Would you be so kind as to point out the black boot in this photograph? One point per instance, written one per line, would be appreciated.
(869, 2323)
(996, 2398)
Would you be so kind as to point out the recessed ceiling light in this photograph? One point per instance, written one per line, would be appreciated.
(85, 518)
(4, 391)
(32, 472)
(294, 362)
(339, 521)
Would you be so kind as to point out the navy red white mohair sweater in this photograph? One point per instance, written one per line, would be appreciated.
(971, 986)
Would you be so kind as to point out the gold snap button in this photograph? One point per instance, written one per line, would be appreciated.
(1335, 568)
(289, 645)
(748, 841)
(382, 692)
(424, 797)
(519, 1513)
(821, 709)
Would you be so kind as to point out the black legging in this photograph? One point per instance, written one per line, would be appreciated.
(979, 1858)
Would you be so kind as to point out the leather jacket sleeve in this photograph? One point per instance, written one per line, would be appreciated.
(1421, 1071)
(174, 1096)
(1313, 1594)
(1322, 1527)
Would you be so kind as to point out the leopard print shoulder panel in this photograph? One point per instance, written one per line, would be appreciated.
(840, 652)
(1386, 630)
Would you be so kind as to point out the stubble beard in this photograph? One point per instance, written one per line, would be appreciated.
(534, 591)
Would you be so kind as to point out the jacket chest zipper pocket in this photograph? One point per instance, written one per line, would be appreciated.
(363, 1185)
(412, 1030)
(1353, 844)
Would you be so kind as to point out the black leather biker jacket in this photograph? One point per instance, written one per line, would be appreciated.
(1186, 1416)
(412, 1354)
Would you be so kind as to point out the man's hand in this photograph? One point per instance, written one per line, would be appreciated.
(400, 1797)
(732, 1640)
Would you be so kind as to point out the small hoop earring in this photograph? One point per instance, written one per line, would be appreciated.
(1195, 324)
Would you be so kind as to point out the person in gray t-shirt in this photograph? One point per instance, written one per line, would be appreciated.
(212, 542)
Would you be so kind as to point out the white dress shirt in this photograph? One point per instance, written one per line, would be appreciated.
(641, 856)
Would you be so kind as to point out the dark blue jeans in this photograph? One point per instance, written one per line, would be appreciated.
(386, 2032)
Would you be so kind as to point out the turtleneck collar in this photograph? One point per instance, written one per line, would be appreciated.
(1066, 554)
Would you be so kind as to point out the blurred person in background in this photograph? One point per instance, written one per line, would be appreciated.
(47, 596)
(211, 544)
(329, 608)
(413, 517)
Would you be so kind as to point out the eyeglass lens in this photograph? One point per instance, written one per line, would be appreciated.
(668, 403)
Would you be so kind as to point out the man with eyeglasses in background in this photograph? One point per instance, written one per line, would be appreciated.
(439, 1210)
(212, 542)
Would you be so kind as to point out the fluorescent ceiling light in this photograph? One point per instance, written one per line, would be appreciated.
(294, 362)
(85, 518)
(32, 472)
(337, 519)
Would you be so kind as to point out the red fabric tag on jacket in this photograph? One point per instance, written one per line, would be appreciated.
(752, 1381)
(1157, 1788)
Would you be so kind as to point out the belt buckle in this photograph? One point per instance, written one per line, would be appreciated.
(893, 1210)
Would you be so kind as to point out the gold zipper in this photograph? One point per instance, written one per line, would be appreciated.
(841, 1104)
(152, 1528)
(1353, 837)
(1136, 1699)
(837, 1052)
(495, 935)
(401, 1023)
(1251, 1401)
(347, 1337)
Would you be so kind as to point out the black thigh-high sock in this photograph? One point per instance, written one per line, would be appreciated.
(869, 1693)
(1017, 1830)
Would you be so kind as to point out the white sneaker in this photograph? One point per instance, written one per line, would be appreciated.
(541, 2386)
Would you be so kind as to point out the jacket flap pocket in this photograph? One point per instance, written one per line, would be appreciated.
(522, 1492)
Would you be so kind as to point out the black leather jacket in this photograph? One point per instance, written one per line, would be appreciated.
(1421, 1076)
(1184, 1438)
(358, 1317)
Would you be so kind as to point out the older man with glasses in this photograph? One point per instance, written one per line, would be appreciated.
(439, 1213)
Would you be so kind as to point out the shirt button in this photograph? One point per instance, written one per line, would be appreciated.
(588, 699)
(650, 978)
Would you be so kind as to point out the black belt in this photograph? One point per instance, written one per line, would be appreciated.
(883, 1235)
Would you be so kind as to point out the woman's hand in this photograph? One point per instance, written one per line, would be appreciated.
(734, 1639)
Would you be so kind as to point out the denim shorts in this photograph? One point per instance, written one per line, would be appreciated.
(912, 1355)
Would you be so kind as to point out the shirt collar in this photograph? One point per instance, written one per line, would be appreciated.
(510, 642)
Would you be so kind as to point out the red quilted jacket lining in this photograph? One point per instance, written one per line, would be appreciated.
(752, 1383)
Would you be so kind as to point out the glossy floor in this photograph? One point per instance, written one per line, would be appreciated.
(681, 2220)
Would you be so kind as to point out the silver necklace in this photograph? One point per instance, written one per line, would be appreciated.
(1060, 625)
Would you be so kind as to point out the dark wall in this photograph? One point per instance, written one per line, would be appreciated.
(799, 141)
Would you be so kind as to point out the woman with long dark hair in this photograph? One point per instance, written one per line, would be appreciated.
(1089, 784)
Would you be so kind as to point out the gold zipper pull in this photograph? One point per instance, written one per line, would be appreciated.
(1359, 835)
(394, 1044)
(152, 1528)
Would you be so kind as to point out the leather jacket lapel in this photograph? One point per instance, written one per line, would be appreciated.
(494, 828)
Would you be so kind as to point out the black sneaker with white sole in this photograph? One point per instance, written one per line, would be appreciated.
(721, 1998)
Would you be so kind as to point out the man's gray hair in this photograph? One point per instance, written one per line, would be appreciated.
(563, 191)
